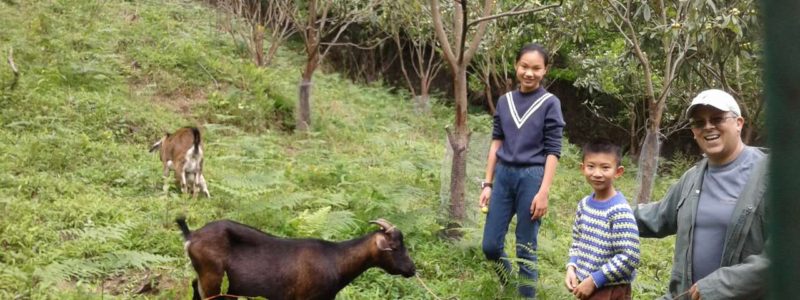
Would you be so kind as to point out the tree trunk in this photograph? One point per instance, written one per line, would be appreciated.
(304, 99)
(648, 165)
(304, 105)
(634, 151)
(423, 100)
(459, 139)
(648, 159)
(487, 90)
(258, 44)
(422, 104)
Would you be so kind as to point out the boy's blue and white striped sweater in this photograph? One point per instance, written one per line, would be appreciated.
(605, 241)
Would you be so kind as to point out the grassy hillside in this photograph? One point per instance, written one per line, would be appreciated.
(83, 216)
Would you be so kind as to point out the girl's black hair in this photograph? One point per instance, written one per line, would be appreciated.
(534, 47)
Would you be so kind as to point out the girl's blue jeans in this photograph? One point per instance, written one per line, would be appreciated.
(512, 193)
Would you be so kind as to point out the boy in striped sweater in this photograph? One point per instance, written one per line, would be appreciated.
(605, 240)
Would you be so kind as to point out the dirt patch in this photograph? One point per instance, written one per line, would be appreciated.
(142, 282)
(181, 101)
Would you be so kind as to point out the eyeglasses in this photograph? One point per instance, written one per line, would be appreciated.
(715, 121)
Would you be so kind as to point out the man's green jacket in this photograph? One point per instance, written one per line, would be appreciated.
(743, 270)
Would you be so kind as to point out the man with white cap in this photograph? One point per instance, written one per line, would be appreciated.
(716, 211)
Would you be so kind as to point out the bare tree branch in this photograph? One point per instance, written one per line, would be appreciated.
(636, 47)
(354, 45)
(488, 6)
(463, 24)
(515, 12)
(397, 42)
(445, 44)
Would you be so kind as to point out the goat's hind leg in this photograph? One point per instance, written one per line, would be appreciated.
(180, 176)
(203, 186)
(195, 184)
(165, 176)
(210, 284)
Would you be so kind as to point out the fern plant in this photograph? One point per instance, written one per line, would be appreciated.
(323, 223)
(101, 264)
(96, 267)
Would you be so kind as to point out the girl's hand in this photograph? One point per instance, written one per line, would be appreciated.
(485, 194)
(539, 205)
(571, 280)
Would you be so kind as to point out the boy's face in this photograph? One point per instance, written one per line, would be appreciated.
(600, 170)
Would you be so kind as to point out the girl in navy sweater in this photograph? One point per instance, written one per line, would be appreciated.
(526, 145)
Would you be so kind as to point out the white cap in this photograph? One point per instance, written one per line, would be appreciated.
(719, 99)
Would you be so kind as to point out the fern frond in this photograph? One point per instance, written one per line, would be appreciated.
(251, 185)
(323, 223)
(337, 200)
(133, 259)
(99, 234)
(64, 270)
(95, 267)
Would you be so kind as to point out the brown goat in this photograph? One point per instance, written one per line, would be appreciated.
(260, 264)
(182, 151)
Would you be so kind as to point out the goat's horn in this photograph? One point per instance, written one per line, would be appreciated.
(385, 225)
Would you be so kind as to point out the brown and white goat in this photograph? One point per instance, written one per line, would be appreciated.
(260, 264)
(182, 151)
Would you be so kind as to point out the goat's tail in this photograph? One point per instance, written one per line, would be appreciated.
(184, 228)
(157, 145)
(196, 133)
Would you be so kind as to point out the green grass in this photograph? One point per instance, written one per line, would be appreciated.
(83, 216)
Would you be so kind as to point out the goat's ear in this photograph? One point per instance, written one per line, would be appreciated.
(382, 243)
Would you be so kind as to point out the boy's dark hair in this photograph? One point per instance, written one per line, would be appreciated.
(599, 146)
(534, 47)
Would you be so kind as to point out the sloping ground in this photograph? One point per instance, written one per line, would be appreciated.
(83, 216)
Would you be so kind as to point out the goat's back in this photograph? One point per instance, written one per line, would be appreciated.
(176, 145)
(258, 263)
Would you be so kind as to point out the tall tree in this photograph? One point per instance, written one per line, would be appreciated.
(259, 16)
(318, 20)
(729, 57)
(660, 35)
(251, 33)
(414, 37)
(278, 16)
(672, 50)
(453, 43)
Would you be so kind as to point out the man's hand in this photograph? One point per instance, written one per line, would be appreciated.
(585, 289)
(485, 194)
(539, 205)
(695, 292)
(571, 280)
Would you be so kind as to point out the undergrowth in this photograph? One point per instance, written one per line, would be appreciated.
(83, 216)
